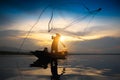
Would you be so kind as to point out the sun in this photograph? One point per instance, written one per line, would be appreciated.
(62, 38)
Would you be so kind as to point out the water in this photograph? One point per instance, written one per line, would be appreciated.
(77, 67)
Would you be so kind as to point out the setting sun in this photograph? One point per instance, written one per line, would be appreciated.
(62, 38)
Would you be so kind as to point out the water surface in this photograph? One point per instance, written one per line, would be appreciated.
(77, 67)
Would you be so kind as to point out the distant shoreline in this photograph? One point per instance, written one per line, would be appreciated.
(14, 53)
(28, 53)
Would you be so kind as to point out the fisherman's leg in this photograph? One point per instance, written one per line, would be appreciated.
(54, 69)
(52, 66)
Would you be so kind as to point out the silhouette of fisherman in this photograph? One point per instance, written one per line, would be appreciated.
(54, 47)
(43, 58)
(54, 62)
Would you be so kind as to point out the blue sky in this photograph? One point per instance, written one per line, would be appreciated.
(87, 35)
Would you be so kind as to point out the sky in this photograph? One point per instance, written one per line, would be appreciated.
(86, 26)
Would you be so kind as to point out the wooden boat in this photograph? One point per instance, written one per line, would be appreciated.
(42, 54)
(44, 58)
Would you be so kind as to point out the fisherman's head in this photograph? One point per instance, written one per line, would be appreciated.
(58, 35)
(45, 49)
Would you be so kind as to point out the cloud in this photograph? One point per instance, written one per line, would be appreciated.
(14, 38)
(102, 45)
(10, 33)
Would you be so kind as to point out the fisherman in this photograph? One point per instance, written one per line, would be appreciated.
(43, 58)
(54, 50)
(54, 47)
